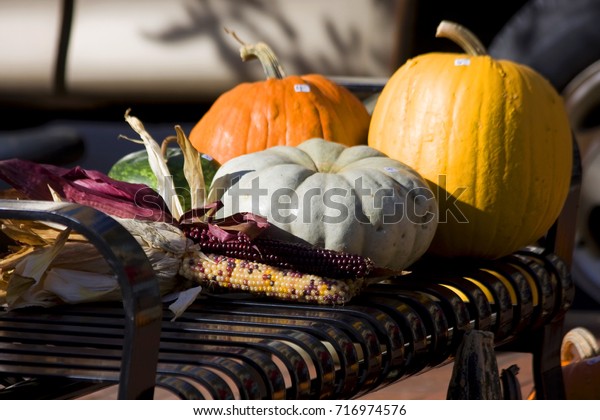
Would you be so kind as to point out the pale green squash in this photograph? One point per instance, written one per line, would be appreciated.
(352, 199)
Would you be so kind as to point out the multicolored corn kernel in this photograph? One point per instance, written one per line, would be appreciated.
(220, 271)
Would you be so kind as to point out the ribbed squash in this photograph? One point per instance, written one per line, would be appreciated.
(281, 110)
(491, 137)
(347, 199)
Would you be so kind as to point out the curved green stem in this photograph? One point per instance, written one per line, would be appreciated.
(461, 36)
(264, 54)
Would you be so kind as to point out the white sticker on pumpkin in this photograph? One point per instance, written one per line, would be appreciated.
(301, 88)
(207, 157)
(462, 61)
(390, 169)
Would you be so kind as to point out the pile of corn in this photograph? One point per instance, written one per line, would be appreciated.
(273, 268)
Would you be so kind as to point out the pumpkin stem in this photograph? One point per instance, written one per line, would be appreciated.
(462, 36)
(264, 53)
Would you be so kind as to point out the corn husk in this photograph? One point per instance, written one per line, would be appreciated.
(26, 278)
(45, 182)
(164, 245)
(158, 164)
(51, 265)
(192, 168)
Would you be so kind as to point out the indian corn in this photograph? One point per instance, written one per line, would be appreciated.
(220, 271)
(285, 255)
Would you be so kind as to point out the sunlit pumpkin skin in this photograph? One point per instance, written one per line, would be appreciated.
(351, 199)
(492, 139)
(281, 110)
(255, 116)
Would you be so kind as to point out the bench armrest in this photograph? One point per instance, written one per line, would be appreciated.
(137, 280)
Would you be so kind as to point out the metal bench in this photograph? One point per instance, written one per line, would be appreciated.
(244, 347)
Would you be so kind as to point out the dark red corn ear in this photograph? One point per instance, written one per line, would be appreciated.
(293, 256)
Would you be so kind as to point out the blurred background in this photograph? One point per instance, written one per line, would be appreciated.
(69, 69)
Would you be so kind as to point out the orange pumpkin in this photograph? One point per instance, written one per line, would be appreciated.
(281, 110)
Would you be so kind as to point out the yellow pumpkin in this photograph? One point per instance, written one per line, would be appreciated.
(491, 137)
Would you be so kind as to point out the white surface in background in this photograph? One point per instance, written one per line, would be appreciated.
(29, 33)
(116, 49)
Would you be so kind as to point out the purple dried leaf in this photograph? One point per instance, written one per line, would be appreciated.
(86, 187)
(227, 228)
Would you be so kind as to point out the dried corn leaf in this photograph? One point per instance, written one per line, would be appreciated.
(20, 234)
(159, 235)
(32, 232)
(183, 300)
(61, 285)
(26, 283)
(74, 286)
(158, 164)
(192, 169)
(57, 270)
(21, 292)
(29, 237)
(38, 262)
(77, 273)
(164, 245)
(82, 256)
(16, 254)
